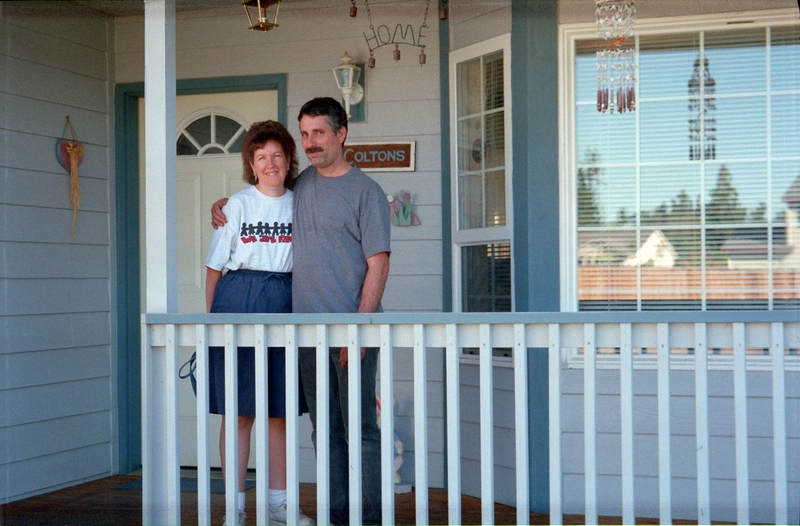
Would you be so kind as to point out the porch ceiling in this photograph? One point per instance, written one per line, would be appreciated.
(570, 11)
(119, 8)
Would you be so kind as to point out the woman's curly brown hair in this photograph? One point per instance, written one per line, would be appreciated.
(260, 134)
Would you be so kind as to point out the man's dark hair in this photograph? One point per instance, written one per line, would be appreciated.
(260, 134)
(328, 107)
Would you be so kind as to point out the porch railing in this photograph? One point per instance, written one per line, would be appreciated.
(748, 340)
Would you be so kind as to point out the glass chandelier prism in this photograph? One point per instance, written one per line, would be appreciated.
(616, 56)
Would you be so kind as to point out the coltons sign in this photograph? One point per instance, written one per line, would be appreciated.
(381, 156)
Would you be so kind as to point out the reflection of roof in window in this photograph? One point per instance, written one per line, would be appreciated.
(753, 241)
(792, 195)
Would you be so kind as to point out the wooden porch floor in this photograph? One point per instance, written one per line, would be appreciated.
(98, 503)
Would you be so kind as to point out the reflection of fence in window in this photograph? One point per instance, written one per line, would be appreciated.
(688, 351)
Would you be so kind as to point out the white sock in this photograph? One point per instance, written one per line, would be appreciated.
(241, 501)
(276, 498)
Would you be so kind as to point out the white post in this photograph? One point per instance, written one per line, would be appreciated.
(521, 424)
(161, 295)
(626, 421)
(486, 425)
(664, 454)
(740, 424)
(203, 462)
(453, 426)
(231, 424)
(262, 424)
(354, 421)
(701, 412)
(420, 425)
(779, 425)
(292, 443)
(554, 404)
(387, 425)
(322, 357)
(160, 162)
(590, 423)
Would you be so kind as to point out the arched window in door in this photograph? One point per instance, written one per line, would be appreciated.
(214, 131)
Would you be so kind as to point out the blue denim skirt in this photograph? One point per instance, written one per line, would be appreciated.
(251, 291)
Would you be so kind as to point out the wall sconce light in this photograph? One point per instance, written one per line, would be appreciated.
(260, 9)
(347, 76)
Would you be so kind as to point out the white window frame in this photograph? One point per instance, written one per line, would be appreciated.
(568, 34)
(480, 236)
(568, 217)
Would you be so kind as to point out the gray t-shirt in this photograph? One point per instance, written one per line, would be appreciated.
(338, 223)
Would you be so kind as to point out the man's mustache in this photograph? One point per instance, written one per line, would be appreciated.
(314, 149)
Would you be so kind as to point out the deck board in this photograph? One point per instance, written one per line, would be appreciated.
(98, 503)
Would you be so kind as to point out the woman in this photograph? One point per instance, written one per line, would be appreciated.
(249, 269)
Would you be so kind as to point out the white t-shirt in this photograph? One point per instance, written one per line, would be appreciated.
(257, 236)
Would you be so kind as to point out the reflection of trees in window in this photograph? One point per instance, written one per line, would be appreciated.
(683, 209)
(724, 205)
(588, 179)
(759, 213)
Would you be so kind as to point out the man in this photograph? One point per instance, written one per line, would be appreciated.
(341, 262)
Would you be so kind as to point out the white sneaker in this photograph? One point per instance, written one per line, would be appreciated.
(240, 518)
(278, 516)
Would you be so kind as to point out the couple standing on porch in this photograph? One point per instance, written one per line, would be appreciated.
(336, 260)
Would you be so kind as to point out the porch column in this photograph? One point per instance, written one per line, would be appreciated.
(160, 161)
(160, 464)
(534, 87)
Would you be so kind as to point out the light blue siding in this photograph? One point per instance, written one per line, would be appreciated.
(55, 311)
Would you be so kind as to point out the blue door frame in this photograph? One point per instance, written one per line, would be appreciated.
(126, 103)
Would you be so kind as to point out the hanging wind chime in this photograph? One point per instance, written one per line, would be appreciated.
(616, 56)
(382, 36)
(69, 153)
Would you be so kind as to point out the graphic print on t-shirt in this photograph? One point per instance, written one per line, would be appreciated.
(264, 233)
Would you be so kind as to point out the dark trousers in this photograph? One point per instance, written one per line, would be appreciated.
(370, 432)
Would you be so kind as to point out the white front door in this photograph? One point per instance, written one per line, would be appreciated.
(201, 181)
(209, 166)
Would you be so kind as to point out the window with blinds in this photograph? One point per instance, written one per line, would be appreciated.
(692, 202)
(481, 153)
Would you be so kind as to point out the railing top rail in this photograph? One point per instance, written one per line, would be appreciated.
(429, 318)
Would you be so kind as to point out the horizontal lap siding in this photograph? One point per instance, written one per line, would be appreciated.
(55, 333)
(404, 413)
(504, 433)
(683, 465)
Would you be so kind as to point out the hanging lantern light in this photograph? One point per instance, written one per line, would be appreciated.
(353, 9)
(371, 61)
(422, 57)
(260, 7)
(442, 9)
(396, 52)
(616, 58)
